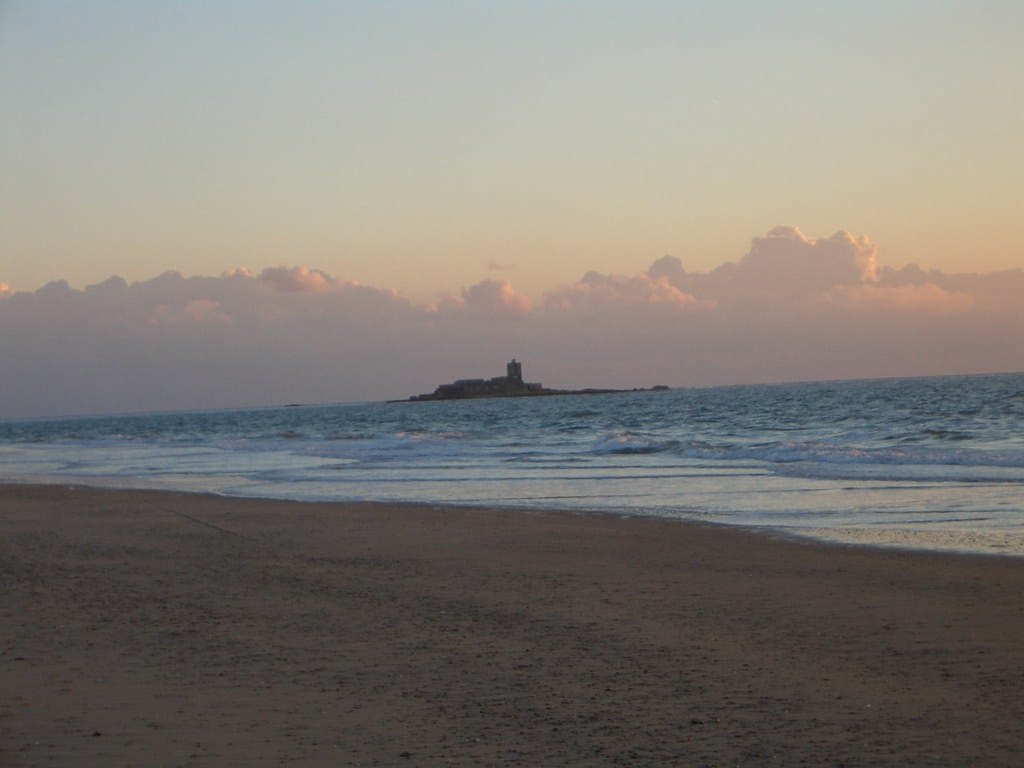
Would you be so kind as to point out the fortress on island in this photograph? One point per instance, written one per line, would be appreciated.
(509, 385)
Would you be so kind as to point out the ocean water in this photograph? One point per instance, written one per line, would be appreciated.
(932, 462)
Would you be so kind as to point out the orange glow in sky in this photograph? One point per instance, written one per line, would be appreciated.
(423, 147)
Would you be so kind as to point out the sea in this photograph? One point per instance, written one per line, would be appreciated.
(932, 463)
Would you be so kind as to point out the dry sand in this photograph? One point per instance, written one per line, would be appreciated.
(165, 629)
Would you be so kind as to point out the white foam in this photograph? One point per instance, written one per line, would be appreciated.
(980, 541)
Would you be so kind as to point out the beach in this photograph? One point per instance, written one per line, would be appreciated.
(175, 629)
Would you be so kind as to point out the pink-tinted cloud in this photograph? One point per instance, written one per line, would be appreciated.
(994, 291)
(597, 291)
(922, 298)
(785, 265)
(197, 313)
(5, 290)
(495, 297)
(792, 307)
(669, 268)
(787, 258)
(299, 280)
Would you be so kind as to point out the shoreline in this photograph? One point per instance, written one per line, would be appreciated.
(181, 628)
(987, 542)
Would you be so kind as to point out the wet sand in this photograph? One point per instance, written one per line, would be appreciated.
(144, 628)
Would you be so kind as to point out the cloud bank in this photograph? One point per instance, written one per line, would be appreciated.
(792, 308)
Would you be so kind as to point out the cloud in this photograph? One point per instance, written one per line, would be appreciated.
(55, 288)
(669, 268)
(5, 290)
(197, 313)
(495, 297)
(787, 257)
(923, 298)
(792, 307)
(787, 265)
(598, 292)
(995, 291)
(240, 272)
(297, 280)
(784, 265)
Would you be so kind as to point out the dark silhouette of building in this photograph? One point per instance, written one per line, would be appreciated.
(515, 371)
(509, 385)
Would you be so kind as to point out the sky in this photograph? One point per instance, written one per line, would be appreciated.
(434, 164)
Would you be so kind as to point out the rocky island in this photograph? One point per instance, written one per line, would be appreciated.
(510, 385)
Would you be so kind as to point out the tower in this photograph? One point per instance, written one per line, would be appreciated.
(515, 371)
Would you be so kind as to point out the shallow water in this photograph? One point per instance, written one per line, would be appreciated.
(936, 462)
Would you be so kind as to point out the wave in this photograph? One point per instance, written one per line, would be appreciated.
(687, 448)
(944, 459)
(629, 443)
(842, 454)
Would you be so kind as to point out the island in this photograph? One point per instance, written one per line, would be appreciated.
(510, 385)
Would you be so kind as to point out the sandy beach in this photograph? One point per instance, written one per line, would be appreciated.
(146, 628)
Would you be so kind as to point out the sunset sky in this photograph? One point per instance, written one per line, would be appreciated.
(444, 153)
